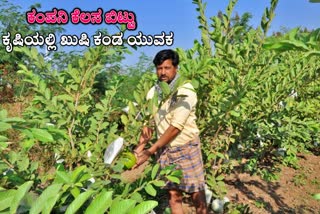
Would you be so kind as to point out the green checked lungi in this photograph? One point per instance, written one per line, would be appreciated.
(188, 159)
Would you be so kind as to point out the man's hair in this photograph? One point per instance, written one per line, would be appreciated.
(163, 55)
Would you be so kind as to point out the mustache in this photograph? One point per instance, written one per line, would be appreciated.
(163, 76)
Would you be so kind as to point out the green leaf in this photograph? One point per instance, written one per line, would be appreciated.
(77, 173)
(27, 144)
(23, 163)
(220, 178)
(71, 106)
(137, 97)
(21, 191)
(47, 93)
(150, 190)
(154, 172)
(3, 145)
(78, 202)
(14, 119)
(144, 207)
(34, 53)
(49, 194)
(65, 97)
(124, 119)
(137, 197)
(121, 206)
(150, 106)
(75, 192)
(167, 169)
(126, 189)
(3, 138)
(100, 107)
(4, 126)
(316, 196)
(195, 83)
(220, 155)
(50, 204)
(173, 179)
(85, 92)
(62, 177)
(101, 203)
(3, 114)
(165, 88)
(6, 198)
(159, 183)
(132, 108)
(295, 45)
(82, 108)
(312, 53)
(41, 135)
(177, 173)
(234, 113)
(84, 177)
(286, 45)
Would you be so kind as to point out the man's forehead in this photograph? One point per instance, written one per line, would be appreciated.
(166, 63)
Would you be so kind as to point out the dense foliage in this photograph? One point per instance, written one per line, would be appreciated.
(258, 105)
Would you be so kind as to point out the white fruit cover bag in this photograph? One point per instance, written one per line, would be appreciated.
(113, 150)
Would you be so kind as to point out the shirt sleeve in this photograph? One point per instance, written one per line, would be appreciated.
(185, 103)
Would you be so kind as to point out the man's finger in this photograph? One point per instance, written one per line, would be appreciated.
(136, 166)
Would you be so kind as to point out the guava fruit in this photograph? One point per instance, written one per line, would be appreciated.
(128, 159)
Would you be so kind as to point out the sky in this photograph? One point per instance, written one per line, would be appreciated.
(179, 17)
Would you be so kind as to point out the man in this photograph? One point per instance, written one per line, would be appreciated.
(177, 133)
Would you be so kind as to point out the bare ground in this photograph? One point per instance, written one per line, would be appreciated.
(292, 193)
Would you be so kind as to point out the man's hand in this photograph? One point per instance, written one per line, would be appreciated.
(142, 157)
(146, 134)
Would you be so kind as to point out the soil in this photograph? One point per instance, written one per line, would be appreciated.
(291, 193)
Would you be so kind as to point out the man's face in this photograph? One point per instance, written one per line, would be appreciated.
(166, 71)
